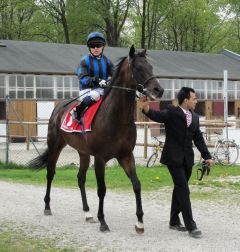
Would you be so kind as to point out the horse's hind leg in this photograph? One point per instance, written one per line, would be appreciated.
(128, 164)
(53, 155)
(100, 175)
(84, 164)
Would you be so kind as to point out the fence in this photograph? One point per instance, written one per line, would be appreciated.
(20, 149)
(22, 138)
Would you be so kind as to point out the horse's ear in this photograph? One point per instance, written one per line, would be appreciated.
(132, 51)
(143, 53)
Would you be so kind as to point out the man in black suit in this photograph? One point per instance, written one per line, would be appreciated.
(182, 127)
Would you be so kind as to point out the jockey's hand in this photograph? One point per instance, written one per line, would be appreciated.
(102, 83)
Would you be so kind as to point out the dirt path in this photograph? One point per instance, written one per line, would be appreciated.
(23, 205)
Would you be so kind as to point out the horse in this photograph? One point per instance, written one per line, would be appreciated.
(113, 134)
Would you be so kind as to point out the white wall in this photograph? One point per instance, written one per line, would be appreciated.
(3, 132)
(44, 111)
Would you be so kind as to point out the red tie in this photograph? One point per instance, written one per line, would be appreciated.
(188, 117)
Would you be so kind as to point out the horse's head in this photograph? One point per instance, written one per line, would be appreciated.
(142, 73)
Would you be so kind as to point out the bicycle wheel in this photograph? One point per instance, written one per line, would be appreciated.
(227, 152)
(152, 160)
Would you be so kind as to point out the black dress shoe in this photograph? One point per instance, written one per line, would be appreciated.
(195, 233)
(178, 227)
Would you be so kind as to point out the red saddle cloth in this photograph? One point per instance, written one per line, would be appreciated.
(70, 125)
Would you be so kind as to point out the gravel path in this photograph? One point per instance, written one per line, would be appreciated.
(22, 206)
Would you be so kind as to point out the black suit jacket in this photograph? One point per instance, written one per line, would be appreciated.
(178, 144)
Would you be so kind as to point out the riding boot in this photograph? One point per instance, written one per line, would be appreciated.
(80, 108)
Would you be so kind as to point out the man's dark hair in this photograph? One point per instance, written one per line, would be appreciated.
(184, 93)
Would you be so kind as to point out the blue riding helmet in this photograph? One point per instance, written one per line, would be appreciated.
(97, 37)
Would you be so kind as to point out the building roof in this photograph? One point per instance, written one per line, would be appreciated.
(50, 58)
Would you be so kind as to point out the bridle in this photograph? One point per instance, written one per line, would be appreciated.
(140, 87)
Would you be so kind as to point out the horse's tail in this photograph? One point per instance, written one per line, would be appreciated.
(39, 162)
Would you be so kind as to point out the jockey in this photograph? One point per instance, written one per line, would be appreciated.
(93, 71)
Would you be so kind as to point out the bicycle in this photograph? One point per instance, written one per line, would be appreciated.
(157, 151)
(225, 152)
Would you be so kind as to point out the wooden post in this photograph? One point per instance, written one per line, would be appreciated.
(175, 102)
(28, 135)
(208, 114)
(145, 139)
(237, 112)
(208, 109)
(139, 115)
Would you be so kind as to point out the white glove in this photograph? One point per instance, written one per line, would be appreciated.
(102, 83)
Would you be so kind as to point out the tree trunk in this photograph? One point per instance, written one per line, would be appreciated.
(143, 24)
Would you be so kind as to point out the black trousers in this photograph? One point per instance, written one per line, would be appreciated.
(181, 196)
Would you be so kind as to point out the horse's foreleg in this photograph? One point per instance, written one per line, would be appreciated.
(100, 175)
(128, 164)
(84, 164)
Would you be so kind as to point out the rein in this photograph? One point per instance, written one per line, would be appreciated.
(140, 87)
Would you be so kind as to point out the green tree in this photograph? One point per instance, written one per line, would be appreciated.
(56, 9)
(15, 18)
(114, 14)
(232, 42)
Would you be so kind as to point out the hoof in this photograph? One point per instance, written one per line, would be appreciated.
(139, 228)
(90, 220)
(47, 212)
(104, 228)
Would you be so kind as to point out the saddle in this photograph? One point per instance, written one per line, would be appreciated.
(69, 124)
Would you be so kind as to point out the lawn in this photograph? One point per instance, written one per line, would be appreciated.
(116, 179)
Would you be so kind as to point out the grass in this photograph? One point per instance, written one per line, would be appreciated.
(151, 178)
(15, 239)
(116, 179)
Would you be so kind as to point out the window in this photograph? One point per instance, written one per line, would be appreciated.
(237, 84)
(21, 86)
(214, 90)
(231, 90)
(29, 81)
(199, 87)
(168, 87)
(67, 87)
(12, 86)
(44, 87)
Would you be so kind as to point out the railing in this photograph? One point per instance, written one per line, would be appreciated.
(210, 126)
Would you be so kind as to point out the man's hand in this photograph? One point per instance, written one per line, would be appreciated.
(144, 104)
(210, 162)
(102, 83)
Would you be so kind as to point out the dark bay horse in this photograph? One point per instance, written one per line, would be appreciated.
(113, 134)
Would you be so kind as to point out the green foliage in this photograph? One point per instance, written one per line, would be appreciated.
(198, 26)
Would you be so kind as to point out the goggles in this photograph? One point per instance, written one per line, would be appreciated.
(98, 45)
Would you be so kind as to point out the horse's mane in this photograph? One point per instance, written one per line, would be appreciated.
(115, 75)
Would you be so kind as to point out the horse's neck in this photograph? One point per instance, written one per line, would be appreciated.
(120, 105)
